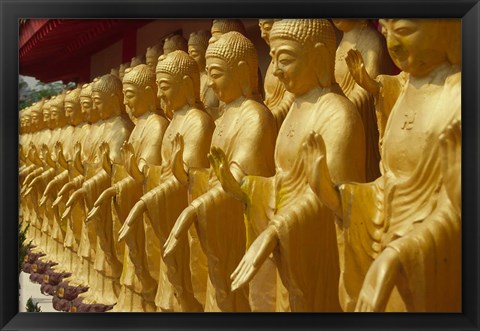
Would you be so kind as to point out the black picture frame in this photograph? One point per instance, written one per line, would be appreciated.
(12, 10)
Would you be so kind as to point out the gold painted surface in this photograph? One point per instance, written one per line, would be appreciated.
(340, 192)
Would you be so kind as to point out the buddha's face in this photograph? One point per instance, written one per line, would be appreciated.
(346, 25)
(198, 54)
(136, 100)
(415, 45)
(293, 65)
(265, 27)
(55, 116)
(35, 119)
(27, 122)
(170, 91)
(103, 104)
(73, 112)
(46, 117)
(86, 105)
(223, 79)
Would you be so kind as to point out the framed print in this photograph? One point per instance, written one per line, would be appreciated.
(240, 165)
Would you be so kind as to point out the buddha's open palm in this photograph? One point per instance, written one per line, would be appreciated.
(255, 256)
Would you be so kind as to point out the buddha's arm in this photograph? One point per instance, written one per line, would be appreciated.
(151, 148)
(74, 184)
(180, 229)
(115, 145)
(103, 198)
(254, 258)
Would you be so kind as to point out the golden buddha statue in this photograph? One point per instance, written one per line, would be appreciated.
(246, 131)
(308, 264)
(178, 83)
(152, 55)
(277, 99)
(175, 43)
(197, 46)
(114, 130)
(138, 287)
(362, 36)
(401, 234)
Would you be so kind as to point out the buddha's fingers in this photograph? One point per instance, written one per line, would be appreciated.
(91, 214)
(124, 230)
(170, 246)
(107, 194)
(184, 221)
(67, 211)
(238, 269)
(75, 196)
(244, 277)
(67, 187)
(42, 200)
(57, 200)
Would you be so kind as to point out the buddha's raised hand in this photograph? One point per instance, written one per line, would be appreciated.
(177, 159)
(133, 217)
(318, 175)
(106, 162)
(451, 153)
(253, 259)
(77, 157)
(60, 156)
(131, 162)
(219, 163)
(356, 66)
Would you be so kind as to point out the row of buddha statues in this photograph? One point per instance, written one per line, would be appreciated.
(184, 184)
